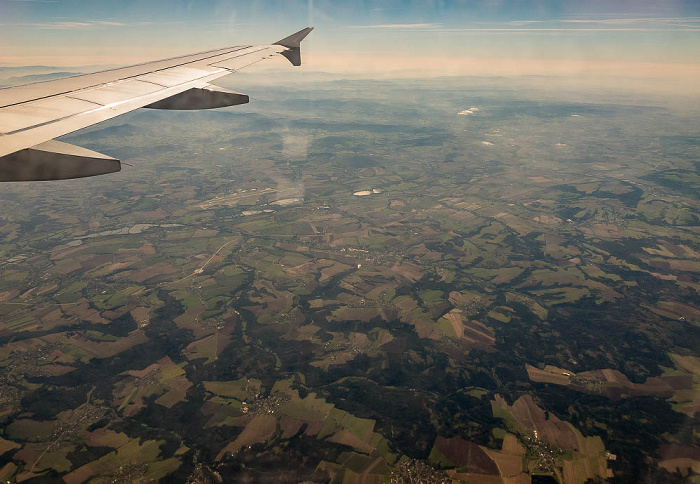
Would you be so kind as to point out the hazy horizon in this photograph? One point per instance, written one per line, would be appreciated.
(593, 41)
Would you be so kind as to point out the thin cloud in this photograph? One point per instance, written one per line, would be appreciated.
(569, 29)
(108, 22)
(61, 25)
(526, 22)
(147, 22)
(692, 24)
(643, 23)
(67, 25)
(395, 26)
(623, 21)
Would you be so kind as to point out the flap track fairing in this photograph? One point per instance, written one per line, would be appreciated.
(55, 160)
(208, 97)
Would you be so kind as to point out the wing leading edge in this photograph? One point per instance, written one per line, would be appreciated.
(31, 116)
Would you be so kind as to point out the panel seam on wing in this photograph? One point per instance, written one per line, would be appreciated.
(124, 78)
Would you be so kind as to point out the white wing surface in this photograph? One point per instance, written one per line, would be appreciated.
(31, 116)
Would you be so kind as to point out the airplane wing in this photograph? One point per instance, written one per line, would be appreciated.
(32, 115)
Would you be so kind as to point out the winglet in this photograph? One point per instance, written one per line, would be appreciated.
(294, 40)
(293, 43)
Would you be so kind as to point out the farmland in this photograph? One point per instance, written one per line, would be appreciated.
(341, 291)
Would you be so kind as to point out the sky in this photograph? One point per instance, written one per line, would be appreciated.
(643, 38)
